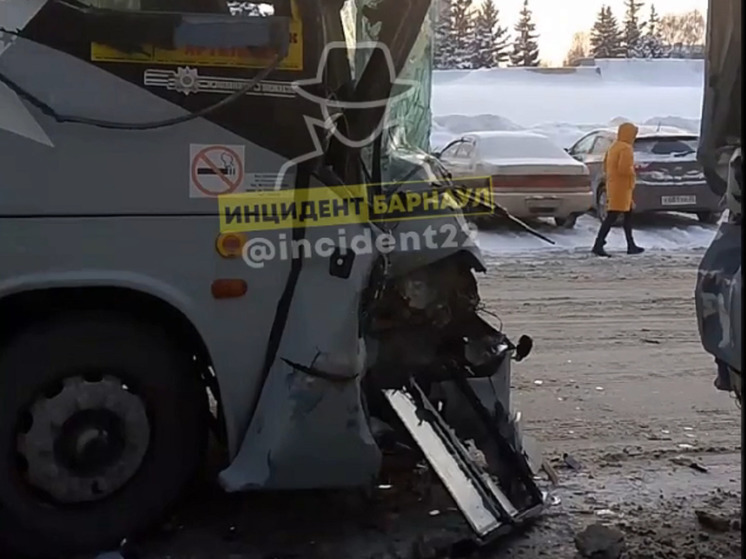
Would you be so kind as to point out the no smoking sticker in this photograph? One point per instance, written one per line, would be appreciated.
(216, 170)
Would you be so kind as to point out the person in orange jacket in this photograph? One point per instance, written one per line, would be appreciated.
(619, 168)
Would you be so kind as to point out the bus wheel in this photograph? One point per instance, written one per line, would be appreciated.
(103, 422)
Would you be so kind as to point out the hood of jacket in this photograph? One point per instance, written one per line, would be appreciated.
(627, 133)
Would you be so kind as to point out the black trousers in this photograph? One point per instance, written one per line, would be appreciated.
(610, 219)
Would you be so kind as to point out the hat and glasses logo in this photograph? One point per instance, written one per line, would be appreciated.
(331, 108)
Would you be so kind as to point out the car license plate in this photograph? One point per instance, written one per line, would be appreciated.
(678, 200)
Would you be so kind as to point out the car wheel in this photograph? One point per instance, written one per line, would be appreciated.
(566, 222)
(103, 423)
(601, 201)
(710, 218)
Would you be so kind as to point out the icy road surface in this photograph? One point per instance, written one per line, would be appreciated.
(617, 380)
(655, 232)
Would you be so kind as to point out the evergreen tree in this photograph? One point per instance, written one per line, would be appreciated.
(653, 22)
(525, 46)
(443, 53)
(606, 37)
(633, 29)
(651, 43)
(462, 33)
(491, 40)
(652, 47)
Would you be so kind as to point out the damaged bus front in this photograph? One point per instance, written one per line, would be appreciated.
(147, 323)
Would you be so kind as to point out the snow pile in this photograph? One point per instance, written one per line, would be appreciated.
(565, 134)
(460, 124)
(660, 72)
(582, 75)
(565, 103)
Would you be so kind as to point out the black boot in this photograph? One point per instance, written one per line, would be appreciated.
(634, 249)
(598, 246)
(598, 250)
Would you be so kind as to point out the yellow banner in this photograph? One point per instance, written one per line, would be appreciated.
(345, 205)
(197, 56)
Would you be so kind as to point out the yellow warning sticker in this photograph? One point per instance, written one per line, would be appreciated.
(210, 57)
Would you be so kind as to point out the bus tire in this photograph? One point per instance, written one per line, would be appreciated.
(103, 423)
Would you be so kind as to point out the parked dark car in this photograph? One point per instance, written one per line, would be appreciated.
(669, 178)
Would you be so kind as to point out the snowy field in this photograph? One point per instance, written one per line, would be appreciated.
(564, 104)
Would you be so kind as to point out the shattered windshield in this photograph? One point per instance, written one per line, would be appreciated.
(409, 117)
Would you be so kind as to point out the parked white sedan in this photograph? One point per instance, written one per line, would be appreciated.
(531, 176)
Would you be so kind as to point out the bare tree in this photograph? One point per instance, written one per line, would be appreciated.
(579, 48)
(693, 28)
(685, 29)
(668, 28)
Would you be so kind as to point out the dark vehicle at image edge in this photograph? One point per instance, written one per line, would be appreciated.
(669, 177)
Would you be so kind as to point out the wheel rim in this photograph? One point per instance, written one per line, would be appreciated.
(83, 442)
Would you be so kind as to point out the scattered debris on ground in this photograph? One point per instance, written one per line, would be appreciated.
(598, 541)
(572, 462)
(689, 463)
(716, 522)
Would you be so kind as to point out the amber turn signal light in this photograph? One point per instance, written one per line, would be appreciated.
(230, 245)
(228, 288)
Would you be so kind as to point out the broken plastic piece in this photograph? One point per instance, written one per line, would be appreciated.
(572, 462)
(486, 507)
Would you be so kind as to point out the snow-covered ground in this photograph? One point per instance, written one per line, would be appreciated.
(662, 232)
(563, 104)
